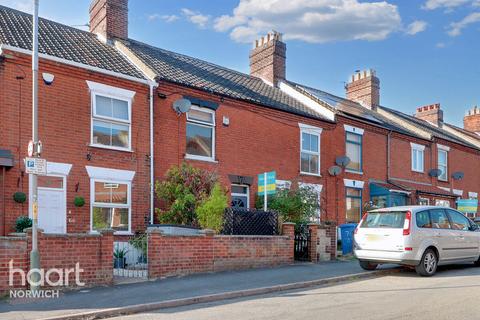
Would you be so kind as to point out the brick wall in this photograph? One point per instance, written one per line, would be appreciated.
(94, 253)
(181, 255)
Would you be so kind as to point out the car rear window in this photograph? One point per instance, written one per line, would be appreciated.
(390, 219)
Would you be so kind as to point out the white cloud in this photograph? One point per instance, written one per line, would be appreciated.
(311, 20)
(197, 18)
(22, 5)
(441, 45)
(446, 4)
(169, 18)
(457, 27)
(416, 27)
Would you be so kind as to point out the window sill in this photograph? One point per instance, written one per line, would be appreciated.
(99, 146)
(416, 171)
(353, 171)
(189, 157)
(310, 174)
(115, 233)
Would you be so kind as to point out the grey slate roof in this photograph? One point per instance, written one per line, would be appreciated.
(185, 70)
(62, 41)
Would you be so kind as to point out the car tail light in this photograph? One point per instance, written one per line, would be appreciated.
(407, 224)
(358, 225)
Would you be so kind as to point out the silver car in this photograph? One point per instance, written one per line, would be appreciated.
(423, 237)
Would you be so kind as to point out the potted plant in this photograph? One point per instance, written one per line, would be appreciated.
(20, 197)
(22, 223)
(119, 258)
(139, 242)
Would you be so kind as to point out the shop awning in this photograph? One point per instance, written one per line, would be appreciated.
(6, 158)
(390, 187)
(423, 188)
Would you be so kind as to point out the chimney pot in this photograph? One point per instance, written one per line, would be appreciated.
(268, 60)
(471, 121)
(431, 113)
(364, 89)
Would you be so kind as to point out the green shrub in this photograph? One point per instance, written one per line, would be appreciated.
(210, 212)
(299, 205)
(22, 223)
(182, 191)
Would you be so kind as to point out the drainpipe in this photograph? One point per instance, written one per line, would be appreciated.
(152, 85)
(389, 141)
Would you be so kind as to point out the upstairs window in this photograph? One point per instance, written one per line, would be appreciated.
(200, 134)
(417, 157)
(111, 116)
(443, 165)
(309, 149)
(354, 151)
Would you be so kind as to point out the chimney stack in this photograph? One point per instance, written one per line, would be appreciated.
(471, 121)
(364, 88)
(268, 57)
(431, 113)
(109, 18)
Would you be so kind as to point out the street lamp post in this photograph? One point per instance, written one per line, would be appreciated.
(34, 254)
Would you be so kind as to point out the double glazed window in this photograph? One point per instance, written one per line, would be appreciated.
(417, 157)
(354, 204)
(240, 196)
(443, 165)
(111, 122)
(354, 151)
(310, 152)
(200, 133)
(111, 206)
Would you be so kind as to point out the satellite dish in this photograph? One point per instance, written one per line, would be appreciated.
(334, 170)
(435, 173)
(342, 161)
(458, 175)
(182, 105)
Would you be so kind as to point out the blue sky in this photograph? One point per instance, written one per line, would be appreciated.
(424, 51)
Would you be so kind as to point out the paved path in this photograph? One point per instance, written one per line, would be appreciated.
(452, 294)
(172, 288)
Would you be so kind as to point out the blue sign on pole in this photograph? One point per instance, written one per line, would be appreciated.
(270, 185)
(467, 205)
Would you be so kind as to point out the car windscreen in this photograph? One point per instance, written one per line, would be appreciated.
(387, 219)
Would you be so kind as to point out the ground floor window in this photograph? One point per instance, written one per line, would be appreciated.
(240, 195)
(442, 203)
(353, 204)
(110, 205)
(423, 202)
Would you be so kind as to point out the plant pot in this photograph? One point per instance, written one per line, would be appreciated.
(119, 263)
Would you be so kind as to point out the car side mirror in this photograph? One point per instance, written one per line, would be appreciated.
(474, 227)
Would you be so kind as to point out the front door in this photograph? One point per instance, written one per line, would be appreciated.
(52, 204)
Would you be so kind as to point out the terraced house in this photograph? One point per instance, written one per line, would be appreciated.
(109, 129)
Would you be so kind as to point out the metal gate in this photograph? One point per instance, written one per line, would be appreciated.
(302, 244)
(130, 258)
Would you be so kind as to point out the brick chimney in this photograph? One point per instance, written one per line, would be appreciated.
(109, 18)
(268, 57)
(364, 88)
(431, 113)
(471, 121)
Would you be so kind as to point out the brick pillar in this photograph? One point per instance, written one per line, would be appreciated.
(106, 256)
(312, 245)
(288, 229)
(154, 244)
(332, 234)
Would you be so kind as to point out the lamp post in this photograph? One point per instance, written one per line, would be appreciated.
(34, 254)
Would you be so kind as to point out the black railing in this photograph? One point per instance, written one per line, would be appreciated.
(302, 244)
(250, 222)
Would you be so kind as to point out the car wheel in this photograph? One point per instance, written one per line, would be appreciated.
(365, 265)
(428, 265)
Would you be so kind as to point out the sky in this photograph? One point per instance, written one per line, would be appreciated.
(424, 51)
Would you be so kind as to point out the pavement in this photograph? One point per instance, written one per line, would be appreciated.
(171, 292)
(451, 294)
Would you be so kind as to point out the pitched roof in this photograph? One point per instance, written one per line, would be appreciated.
(199, 74)
(62, 41)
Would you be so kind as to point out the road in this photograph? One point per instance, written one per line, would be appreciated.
(452, 294)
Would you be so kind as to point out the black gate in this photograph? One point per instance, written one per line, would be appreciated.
(302, 244)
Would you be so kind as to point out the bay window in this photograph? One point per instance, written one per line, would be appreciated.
(200, 134)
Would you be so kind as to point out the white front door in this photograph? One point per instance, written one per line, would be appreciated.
(52, 204)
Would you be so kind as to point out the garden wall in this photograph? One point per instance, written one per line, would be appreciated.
(93, 252)
(171, 255)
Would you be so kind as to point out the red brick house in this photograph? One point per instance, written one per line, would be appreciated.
(112, 97)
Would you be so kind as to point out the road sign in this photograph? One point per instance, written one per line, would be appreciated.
(467, 205)
(36, 166)
(270, 184)
(30, 149)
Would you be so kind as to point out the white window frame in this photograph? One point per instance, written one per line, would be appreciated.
(232, 194)
(420, 150)
(99, 89)
(206, 125)
(128, 205)
(446, 163)
(424, 199)
(315, 131)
